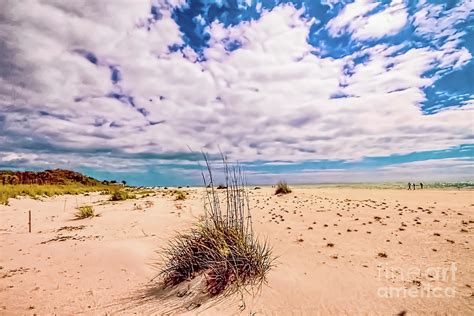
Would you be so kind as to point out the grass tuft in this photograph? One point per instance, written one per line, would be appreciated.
(84, 212)
(180, 195)
(282, 188)
(121, 195)
(222, 246)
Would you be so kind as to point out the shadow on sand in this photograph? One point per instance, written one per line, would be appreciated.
(154, 298)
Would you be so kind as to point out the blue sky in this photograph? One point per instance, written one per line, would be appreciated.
(307, 91)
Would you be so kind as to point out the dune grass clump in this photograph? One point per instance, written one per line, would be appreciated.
(180, 195)
(222, 246)
(85, 211)
(282, 188)
(121, 195)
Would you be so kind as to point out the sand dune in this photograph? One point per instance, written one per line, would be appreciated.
(340, 251)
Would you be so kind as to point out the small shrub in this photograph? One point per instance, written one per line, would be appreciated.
(121, 195)
(84, 212)
(180, 195)
(282, 188)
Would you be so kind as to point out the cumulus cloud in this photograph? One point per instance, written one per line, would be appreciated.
(385, 23)
(109, 81)
(355, 20)
(350, 16)
(283, 95)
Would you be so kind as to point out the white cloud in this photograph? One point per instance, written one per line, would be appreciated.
(440, 26)
(386, 22)
(416, 166)
(354, 19)
(264, 92)
(270, 99)
(12, 157)
(350, 17)
(433, 21)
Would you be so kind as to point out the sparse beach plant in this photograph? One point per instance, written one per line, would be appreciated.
(121, 195)
(282, 188)
(222, 246)
(85, 211)
(180, 195)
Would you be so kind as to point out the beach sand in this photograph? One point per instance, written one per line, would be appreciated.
(339, 251)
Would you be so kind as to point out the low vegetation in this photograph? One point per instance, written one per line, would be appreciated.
(452, 185)
(144, 192)
(282, 188)
(180, 195)
(85, 211)
(35, 191)
(222, 246)
(121, 195)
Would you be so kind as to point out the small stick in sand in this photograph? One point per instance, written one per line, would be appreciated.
(29, 221)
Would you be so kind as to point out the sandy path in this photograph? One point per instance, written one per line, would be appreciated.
(100, 268)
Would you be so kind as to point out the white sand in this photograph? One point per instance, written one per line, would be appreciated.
(108, 264)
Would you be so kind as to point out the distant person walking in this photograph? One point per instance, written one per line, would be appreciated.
(421, 185)
(409, 185)
(414, 186)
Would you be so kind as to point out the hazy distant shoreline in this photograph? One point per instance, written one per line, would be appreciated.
(368, 185)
